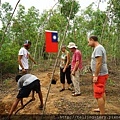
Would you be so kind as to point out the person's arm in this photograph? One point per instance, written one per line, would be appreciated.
(20, 63)
(67, 63)
(32, 59)
(78, 57)
(97, 68)
(75, 68)
(13, 107)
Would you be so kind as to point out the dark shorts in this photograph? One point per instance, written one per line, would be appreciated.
(25, 90)
(99, 86)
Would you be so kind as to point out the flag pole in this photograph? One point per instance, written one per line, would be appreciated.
(44, 107)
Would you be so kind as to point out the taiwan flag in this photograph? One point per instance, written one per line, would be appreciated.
(51, 40)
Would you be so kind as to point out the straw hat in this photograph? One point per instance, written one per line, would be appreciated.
(72, 45)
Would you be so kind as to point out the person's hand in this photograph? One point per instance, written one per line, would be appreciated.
(24, 71)
(95, 79)
(35, 62)
(41, 107)
(33, 98)
(64, 70)
(22, 106)
(73, 73)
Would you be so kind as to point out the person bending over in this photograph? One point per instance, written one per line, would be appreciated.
(26, 84)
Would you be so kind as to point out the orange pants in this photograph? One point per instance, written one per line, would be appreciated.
(99, 86)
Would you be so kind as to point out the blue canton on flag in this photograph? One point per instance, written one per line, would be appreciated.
(54, 37)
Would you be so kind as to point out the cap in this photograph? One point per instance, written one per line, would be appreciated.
(27, 42)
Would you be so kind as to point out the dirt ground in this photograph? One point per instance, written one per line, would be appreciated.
(63, 102)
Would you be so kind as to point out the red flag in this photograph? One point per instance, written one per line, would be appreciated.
(51, 40)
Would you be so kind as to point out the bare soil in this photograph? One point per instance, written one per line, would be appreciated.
(63, 102)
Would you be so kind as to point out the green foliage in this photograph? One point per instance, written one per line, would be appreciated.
(8, 57)
(67, 6)
(56, 22)
(114, 28)
(5, 13)
(31, 25)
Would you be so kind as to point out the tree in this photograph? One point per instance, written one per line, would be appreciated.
(5, 13)
(67, 5)
(114, 19)
(31, 25)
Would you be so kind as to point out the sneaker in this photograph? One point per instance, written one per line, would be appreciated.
(96, 110)
(74, 94)
(73, 91)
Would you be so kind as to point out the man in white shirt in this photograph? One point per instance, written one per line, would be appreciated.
(23, 57)
(26, 84)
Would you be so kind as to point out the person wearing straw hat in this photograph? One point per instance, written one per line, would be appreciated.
(76, 66)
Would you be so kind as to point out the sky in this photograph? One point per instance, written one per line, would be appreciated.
(48, 4)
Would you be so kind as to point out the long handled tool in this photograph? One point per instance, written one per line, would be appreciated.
(23, 106)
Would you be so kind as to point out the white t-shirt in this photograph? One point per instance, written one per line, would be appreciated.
(25, 56)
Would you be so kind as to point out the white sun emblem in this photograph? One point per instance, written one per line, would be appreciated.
(54, 37)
